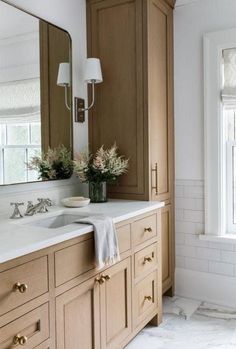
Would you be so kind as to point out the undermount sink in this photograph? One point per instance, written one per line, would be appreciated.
(56, 221)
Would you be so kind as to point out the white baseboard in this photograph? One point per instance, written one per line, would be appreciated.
(212, 288)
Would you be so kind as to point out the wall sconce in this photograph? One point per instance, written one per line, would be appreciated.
(63, 80)
(92, 75)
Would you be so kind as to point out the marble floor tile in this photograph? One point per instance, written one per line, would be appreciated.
(208, 327)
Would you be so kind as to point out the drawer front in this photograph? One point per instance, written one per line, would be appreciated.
(32, 329)
(73, 261)
(145, 298)
(144, 229)
(124, 237)
(32, 280)
(145, 260)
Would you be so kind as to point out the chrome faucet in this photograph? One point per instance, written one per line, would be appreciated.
(40, 207)
(16, 213)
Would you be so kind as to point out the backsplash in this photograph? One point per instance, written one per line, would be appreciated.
(55, 190)
(191, 252)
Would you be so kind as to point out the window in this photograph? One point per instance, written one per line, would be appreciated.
(220, 132)
(20, 130)
(229, 133)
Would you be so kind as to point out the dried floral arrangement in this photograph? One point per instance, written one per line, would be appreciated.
(56, 163)
(104, 166)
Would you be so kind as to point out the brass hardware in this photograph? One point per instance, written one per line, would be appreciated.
(148, 298)
(147, 259)
(18, 339)
(155, 169)
(149, 229)
(22, 288)
(106, 277)
(100, 280)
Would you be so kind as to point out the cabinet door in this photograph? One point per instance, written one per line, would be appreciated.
(116, 305)
(167, 248)
(115, 36)
(77, 317)
(160, 98)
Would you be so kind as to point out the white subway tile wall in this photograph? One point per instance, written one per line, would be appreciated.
(191, 252)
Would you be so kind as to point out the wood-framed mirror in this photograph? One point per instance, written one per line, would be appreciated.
(33, 111)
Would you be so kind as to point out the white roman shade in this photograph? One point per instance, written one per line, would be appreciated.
(20, 99)
(229, 78)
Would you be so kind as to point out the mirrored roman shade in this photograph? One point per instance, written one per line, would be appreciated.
(229, 78)
(20, 98)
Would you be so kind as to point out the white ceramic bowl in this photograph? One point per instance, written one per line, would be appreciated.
(76, 201)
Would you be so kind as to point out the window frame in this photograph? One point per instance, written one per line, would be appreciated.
(216, 188)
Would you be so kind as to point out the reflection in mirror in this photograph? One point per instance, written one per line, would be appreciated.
(33, 112)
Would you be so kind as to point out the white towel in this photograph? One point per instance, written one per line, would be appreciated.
(105, 237)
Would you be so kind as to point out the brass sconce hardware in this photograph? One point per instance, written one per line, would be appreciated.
(22, 288)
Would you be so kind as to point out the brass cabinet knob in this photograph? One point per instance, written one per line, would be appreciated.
(18, 339)
(100, 280)
(147, 259)
(22, 288)
(106, 277)
(148, 298)
(149, 229)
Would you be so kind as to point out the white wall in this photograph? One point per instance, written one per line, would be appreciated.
(205, 270)
(190, 23)
(71, 16)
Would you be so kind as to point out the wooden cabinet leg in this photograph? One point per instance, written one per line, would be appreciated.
(170, 292)
(156, 321)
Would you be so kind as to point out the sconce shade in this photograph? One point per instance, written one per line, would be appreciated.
(93, 71)
(63, 78)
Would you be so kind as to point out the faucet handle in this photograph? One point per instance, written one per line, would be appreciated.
(44, 203)
(16, 213)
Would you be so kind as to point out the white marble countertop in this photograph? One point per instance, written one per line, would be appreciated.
(20, 237)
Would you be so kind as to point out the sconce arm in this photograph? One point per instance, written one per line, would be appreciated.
(93, 99)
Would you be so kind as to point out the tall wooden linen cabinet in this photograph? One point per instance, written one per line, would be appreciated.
(134, 104)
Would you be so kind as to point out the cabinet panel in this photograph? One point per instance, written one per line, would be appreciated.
(77, 317)
(144, 229)
(34, 275)
(167, 247)
(145, 260)
(145, 298)
(160, 97)
(80, 258)
(115, 36)
(116, 305)
(33, 327)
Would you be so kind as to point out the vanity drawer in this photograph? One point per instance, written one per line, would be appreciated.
(124, 237)
(144, 229)
(33, 278)
(72, 261)
(145, 260)
(145, 298)
(32, 329)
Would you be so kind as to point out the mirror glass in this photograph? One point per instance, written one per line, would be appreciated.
(33, 111)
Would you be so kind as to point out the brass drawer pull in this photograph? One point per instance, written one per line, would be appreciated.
(18, 339)
(147, 259)
(22, 288)
(106, 277)
(148, 298)
(100, 280)
(155, 169)
(149, 230)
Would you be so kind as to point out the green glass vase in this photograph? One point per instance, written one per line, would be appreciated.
(98, 192)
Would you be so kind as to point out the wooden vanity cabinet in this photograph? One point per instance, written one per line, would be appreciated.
(134, 104)
(62, 302)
